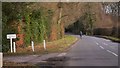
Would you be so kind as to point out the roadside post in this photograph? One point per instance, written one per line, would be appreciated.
(44, 44)
(1, 59)
(14, 47)
(32, 43)
(11, 36)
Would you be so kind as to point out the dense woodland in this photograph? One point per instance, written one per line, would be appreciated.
(49, 21)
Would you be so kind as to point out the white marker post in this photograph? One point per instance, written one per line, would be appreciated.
(44, 44)
(11, 45)
(1, 59)
(32, 43)
(14, 47)
(11, 36)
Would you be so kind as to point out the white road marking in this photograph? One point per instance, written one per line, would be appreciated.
(101, 47)
(105, 44)
(97, 43)
(112, 52)
(62, 54)
(109, 51)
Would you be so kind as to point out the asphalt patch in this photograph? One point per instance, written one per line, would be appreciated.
(53, 62)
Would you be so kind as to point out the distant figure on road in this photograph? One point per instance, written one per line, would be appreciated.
(81, 34)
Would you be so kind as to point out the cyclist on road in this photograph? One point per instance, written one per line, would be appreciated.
(81, 34)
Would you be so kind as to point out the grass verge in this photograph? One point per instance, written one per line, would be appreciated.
(114, 39)
(52, 47)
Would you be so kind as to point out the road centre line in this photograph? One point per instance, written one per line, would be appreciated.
(97, 43)
(101, 47)
(112, 52)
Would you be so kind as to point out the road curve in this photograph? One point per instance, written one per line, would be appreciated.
(92, 51)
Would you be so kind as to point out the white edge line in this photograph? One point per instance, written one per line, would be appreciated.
(106, 40)
(62, 54)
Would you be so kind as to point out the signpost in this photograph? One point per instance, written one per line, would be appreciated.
(11, 36)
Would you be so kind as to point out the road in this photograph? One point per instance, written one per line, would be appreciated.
(92, 51)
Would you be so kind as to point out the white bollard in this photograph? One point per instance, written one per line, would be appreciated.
(11, 44)
(44, 44)
(32, 46)
(1, 59)
(14, 47)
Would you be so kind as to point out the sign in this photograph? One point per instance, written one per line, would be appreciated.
(11, 36)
